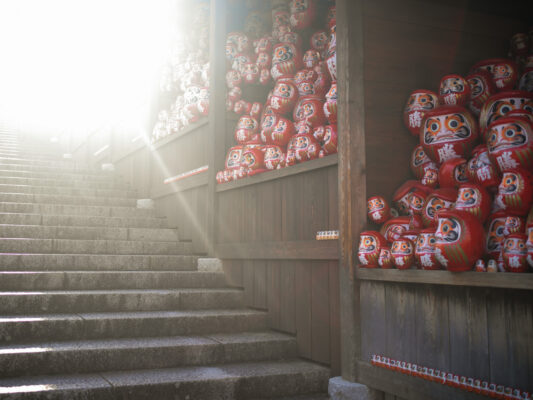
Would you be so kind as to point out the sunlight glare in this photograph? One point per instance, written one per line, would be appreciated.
(78, 65)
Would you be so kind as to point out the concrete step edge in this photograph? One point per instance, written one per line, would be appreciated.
(95, 355)
(210, 382)
(88, 232)
(13, 281)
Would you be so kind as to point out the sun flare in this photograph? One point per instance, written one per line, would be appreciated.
(77, 65)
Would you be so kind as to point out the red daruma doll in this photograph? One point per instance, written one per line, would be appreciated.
(448, 132)
(418, 104)
(515, 253)
(459, 240)
(284, 96)
(253, 159)
(274, 157)
(510, 143)
(370, 245)
(425, 250)
(454, 90)
(474, 199)
(378, 210)
(402, 251)
(247, 127)
(515, 193)
(385, 258)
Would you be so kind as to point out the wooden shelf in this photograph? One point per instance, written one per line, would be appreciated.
(283, 250)
(479, 279)
(188, 183)
(280, 173)
(409, 387)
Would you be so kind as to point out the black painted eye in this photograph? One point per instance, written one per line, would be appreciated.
(493, 137)
(509, 133)
(434, 126)
(454, 124)
(505, 109)
(423, 100)
(500, 231)
(432, 240)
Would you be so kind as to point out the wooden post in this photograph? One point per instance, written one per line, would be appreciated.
(217, 111)
(352, 178)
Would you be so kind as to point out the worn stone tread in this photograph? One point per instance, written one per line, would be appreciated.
(56, 301)
(142, 353)
(82, 220)
(38, 327)
(211, 382)
(77, 280)
(87, 232)
(95, 262)
(94, 246)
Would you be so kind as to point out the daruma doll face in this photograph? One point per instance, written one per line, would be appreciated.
(447, 133)
(515, 253)
(402, 253)
(425, 250)
(370, 245)
(459, 240)
(510, 143)
(418, 104)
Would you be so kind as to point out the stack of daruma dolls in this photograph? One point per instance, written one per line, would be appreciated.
(470, 206)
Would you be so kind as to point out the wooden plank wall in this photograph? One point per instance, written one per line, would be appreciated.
(301, 296)
(184, 206)
(476, 332)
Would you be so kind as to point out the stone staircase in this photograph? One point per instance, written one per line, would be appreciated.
(101, 300)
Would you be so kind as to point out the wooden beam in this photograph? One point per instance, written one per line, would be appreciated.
(479, 279)
(280, 173)
(189, 183)
(352, 178)
(217, 111)
(283, 250)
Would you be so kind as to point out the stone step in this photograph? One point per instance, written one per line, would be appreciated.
(107, 280)
(81, 220)
(64, 199)
(80, 246)
(71, 209)
(40, 148)
(84, 326)
(78, 183)
(96, 262)
(87, 233)
(143, 353)
(212, 382)
(57, 175)
(43, 302)
(45, 163)
(17, 153)
(72, 169)
(68, 191)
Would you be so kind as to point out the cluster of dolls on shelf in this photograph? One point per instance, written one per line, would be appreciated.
(186, 76)
(298, 121)
(473, 169)
(447, 378)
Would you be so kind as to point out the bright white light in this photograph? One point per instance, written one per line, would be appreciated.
(81, 64)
